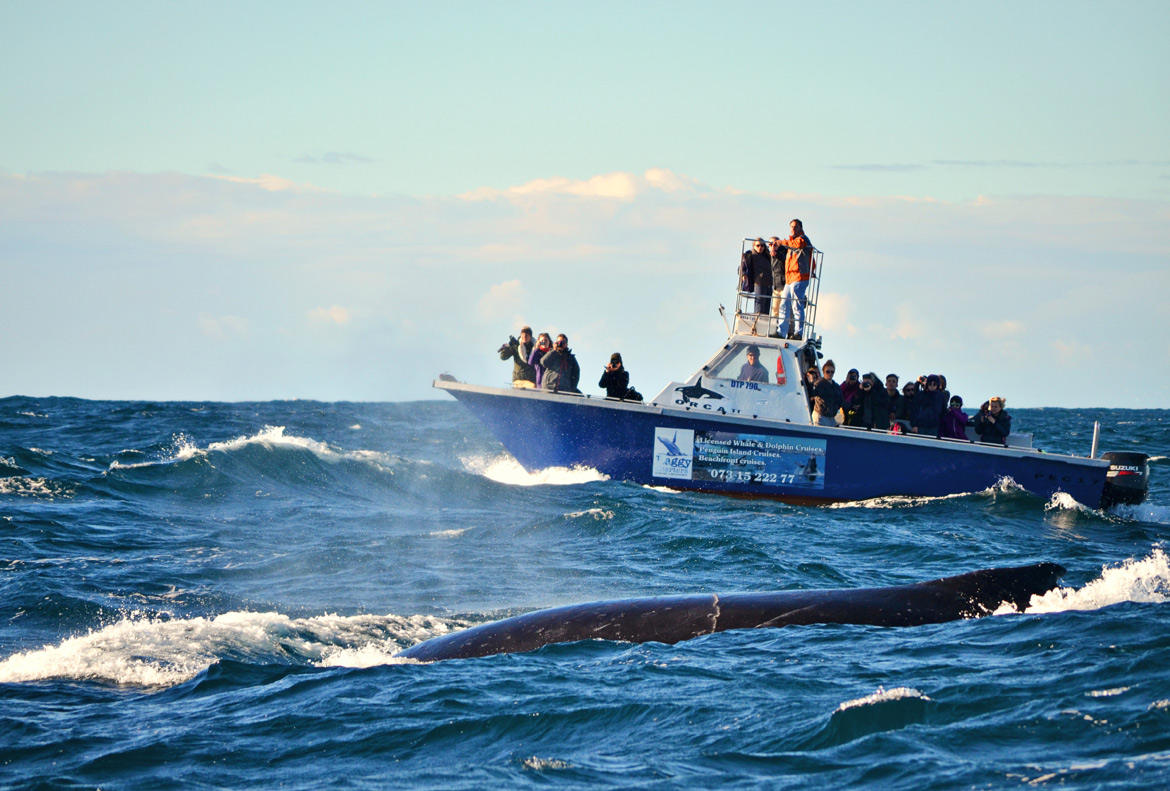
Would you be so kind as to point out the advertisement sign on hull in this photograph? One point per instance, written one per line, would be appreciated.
(732, 457)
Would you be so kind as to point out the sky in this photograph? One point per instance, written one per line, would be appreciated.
(252, 201)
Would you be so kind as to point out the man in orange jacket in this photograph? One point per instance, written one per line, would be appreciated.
(797, 271)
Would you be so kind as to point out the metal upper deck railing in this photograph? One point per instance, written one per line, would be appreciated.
(748, 321)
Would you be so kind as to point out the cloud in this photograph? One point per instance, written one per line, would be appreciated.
(980, 290)
(877, 168)
(834, 310)
(1072, 354)
(1004, 329)
(333, 158)
(502, 301)
(222, 328)
(331, 315)
(269, 182)
(618, 186)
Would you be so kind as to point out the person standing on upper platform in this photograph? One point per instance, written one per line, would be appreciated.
(798, 266)
(755, 275)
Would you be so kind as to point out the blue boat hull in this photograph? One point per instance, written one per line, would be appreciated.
(745, 457)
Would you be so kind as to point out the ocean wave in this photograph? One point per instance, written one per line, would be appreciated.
(1004, 486)
(1063, 501)
(41, 488)
(1143, 512)
(1144, 580)
(155, 651)
(270, 438)
(505, 469)
(883, 695)
(596, 513)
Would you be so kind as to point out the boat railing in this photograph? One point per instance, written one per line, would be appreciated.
(750, 321)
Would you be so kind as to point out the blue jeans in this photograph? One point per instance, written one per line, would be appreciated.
(794, 297)
(763, 298)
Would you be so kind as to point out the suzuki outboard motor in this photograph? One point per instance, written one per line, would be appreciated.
(1128, 479)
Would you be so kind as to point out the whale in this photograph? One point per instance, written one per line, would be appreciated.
(673, 619)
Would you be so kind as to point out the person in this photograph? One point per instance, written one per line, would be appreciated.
(752, 371)
(993, 424)
(826, 396)
(755, 275)
(954, 421)
(561, 371)
(810, 379)
(872, 406)
(928, 409)
(615, 379)
(906, 407)
(519, 351)
(543, 347)
(849, 390)
(797, 271)
(893, 396)
(777, 254)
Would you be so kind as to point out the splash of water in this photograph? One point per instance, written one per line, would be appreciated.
(1144, 580)
(505, 469)
(153, 651)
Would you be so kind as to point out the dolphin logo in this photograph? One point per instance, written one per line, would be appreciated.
(697, 391)
(671, 445)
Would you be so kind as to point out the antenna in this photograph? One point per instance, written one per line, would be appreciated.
(724, 315)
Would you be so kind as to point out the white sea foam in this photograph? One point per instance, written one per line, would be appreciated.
(505, 469)
(157, 652)
(883, 696)
(181, 449)
(1063, 501)
(43, 488)
(663, 489)
(271, 438)
(1004, 485)
(596, 513)
(1145, 580)
(449, 533)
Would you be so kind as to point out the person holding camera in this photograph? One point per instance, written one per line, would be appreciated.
(543, 347)
(561, 371)
(615, 379)
(872, 404)
(929, 405)
(993, 424)
(519, 351)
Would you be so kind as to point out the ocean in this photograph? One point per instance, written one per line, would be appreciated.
(211, 595)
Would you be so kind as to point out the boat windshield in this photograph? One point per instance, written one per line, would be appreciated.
(734, 364)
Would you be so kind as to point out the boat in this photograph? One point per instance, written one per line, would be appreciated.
(713, 432)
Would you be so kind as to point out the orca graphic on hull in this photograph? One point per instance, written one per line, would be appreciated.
(696, 391)
(671, 619)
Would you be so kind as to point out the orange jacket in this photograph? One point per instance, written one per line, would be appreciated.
(798, 264)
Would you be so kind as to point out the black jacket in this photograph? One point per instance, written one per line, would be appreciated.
(616, 383)
(755, 269)
(519, 353)
(993, 433)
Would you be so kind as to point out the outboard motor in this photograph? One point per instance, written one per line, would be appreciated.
(1128, 479)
